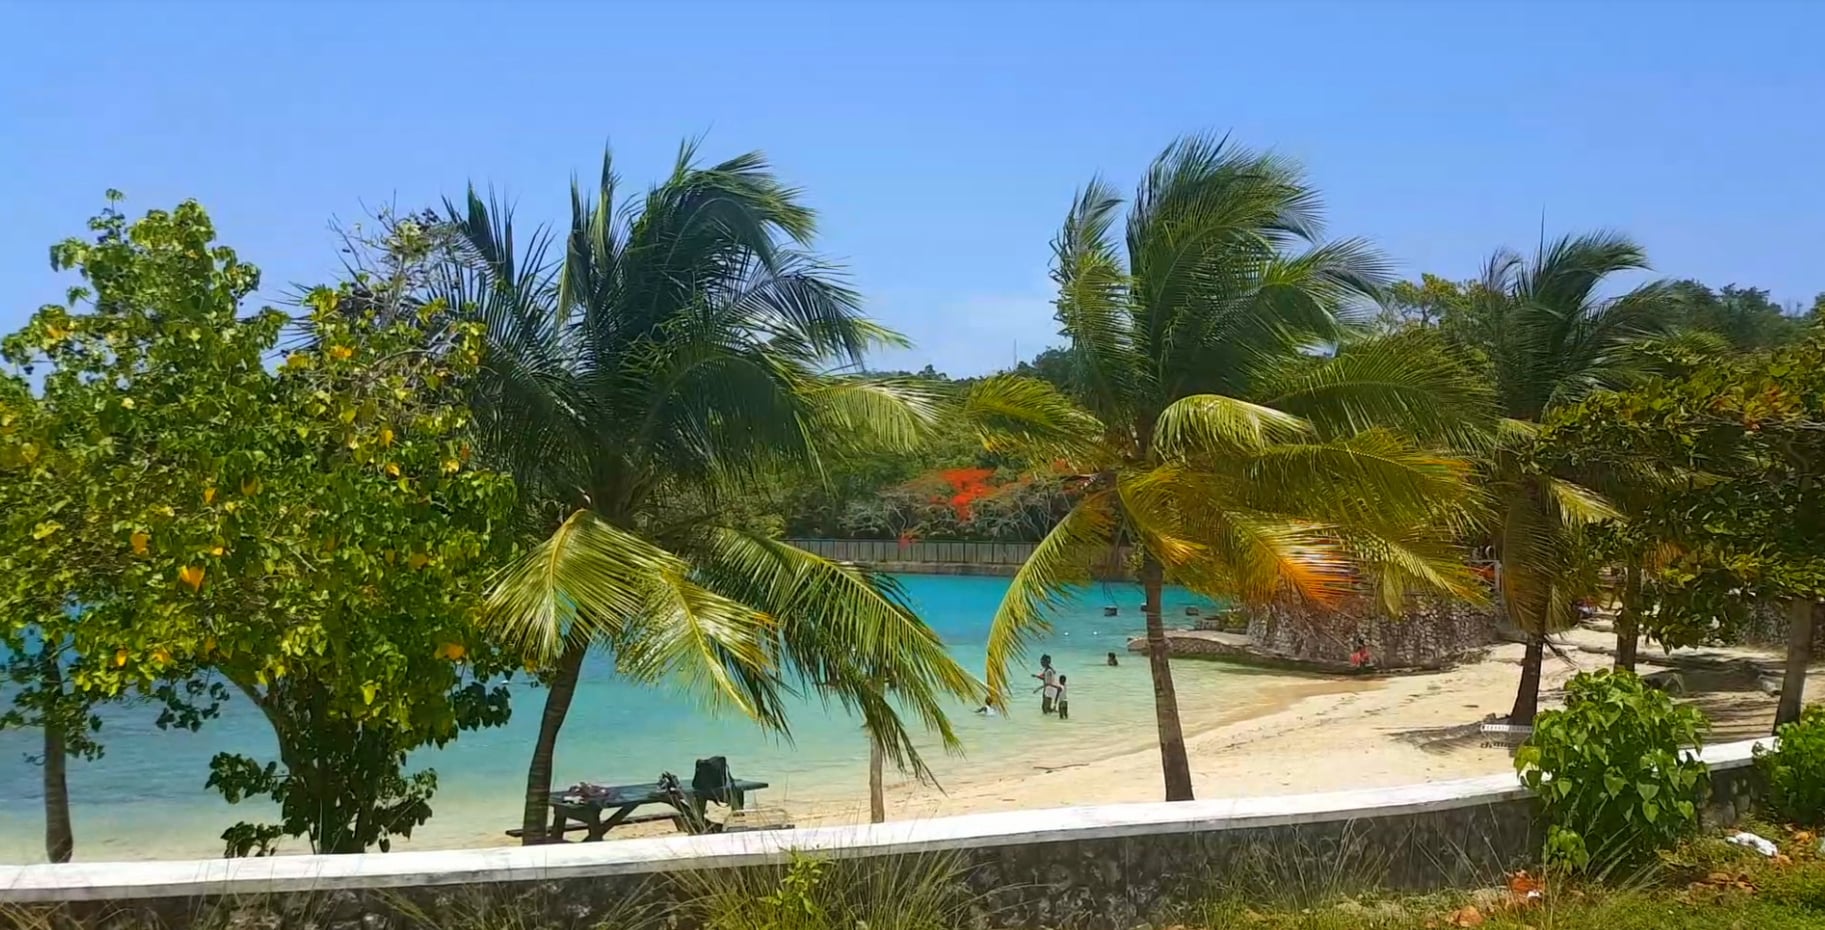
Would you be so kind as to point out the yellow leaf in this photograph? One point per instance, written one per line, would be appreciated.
(208, 645)
(140, 538)
(191, 575)
(160, 656)
(390, 555)
(393, 469)
(45, 529)
(208, 496)
(341, 353)
(451, 466)
(120, 657)
(127, 402)
(418, 560)
(452, 651)
(297, 360)
(250, 486)
(217, 550)
(386, 435)
(55, 332)
(368, 691)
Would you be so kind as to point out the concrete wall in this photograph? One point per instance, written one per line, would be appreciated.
(1103, 868)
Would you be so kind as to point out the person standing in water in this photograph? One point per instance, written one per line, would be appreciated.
(1048, 684)
(1064, 700)
(1112, 662)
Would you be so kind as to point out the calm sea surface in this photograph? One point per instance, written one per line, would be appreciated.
(145, 798)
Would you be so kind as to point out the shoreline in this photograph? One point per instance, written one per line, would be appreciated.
(1398, 729)
(1285, 737)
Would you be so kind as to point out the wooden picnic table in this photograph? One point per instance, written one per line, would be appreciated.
(601, 809)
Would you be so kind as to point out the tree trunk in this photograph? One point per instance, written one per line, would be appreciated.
(1527, 699)
(1173, 764)
(877, 797)
(537, 813)
(1628, 619)
(59, 839)
(1799, 656)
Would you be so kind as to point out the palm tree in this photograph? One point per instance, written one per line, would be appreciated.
(1233, 433)
(1550, 338)
(678, 356)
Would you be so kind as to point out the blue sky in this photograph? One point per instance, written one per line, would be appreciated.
(941, 142)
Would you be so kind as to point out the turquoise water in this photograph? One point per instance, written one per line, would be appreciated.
(145, 798)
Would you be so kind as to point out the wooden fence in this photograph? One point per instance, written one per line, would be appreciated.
(936, 551)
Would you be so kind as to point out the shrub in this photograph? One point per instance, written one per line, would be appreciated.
(1610, 772)
(1796, 770)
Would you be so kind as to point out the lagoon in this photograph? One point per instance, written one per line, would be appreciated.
(145, 798)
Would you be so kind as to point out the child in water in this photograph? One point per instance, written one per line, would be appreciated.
(1064, 703)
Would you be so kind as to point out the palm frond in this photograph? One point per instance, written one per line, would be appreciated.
(1214, 425)
(591, 581)
(850, 634)
(1373, 472)
(1410, 383)
(871, 412)
(1027, 416)
(1093, 302)
(1577, 505)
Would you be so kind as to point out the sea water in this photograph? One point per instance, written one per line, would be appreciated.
(145, 798)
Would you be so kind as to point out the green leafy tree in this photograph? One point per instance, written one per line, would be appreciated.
(59, 559)
(1549, 338)
(1744, 317)
(313, 535)
(681, 352)
(1431, 302)
(36, 655)
(1741, 442)
(1216, 443)
(1053, 366)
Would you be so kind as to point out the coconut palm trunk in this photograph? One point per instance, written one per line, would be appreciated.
(1174, 766)
(1799, 658)
(877, 794)
(59, 839)
(535, 817)
(1628, 619)
(1527, 696)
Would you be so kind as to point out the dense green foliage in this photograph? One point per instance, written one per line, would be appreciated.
(1614, 773)
(1795, 769)
(676, 360)
(493, 454)
(1733, 449)
(312, 535)
(1212, 442)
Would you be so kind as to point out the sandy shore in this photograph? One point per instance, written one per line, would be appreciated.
(1393, 731)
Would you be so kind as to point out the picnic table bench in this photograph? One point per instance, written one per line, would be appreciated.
(599, 809)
